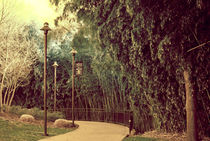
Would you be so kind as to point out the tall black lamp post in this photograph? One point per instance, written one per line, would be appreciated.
(73, 75)
(45, 29)
(55, 66)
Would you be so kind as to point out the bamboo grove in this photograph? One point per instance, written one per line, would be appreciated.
(134, 55)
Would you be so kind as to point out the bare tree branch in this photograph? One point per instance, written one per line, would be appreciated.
(18, 54)
(201, 45)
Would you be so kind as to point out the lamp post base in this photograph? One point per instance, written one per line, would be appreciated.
(46, 134)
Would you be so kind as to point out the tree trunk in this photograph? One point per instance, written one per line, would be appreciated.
(1, 95)
(192, 134)
(13, 93)
(5, 96)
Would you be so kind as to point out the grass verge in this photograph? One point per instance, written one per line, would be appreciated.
(17, 131)
(141, 139)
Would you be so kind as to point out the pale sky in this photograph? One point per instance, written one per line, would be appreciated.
(38, 11)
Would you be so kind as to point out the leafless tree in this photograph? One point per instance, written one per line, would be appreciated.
(17, 55)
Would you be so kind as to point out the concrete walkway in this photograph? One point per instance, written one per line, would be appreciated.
(93, 131)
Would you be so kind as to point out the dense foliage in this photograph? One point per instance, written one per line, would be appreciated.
(149, 41)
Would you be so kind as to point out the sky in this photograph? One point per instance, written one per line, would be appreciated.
(38, 11)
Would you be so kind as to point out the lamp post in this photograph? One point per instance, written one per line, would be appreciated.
(55, 66)
(73, 62)
(45, 29)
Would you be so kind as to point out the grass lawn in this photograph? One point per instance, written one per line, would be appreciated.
(141, 139)
(16, 131)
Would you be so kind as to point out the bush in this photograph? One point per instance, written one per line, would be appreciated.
(36, 113)
(18, 110)
(55, 115)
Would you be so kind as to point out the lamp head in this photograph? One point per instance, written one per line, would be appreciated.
(73, 51)
(55, 64)
(45, 28)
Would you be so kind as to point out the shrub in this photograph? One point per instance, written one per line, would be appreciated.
(18, 110)
(36, 113)
(52, 116)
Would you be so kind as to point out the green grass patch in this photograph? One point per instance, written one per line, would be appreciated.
(16, 131)
(141, 139)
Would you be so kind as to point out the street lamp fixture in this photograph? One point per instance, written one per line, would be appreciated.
(73, 51)
(45, 29)
(79, 68)
(55, 66)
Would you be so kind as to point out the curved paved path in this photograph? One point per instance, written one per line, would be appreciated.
(93, 131)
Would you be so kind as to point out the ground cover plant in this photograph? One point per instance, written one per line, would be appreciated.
(17, 131)
(12, 130)
(141, 139)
